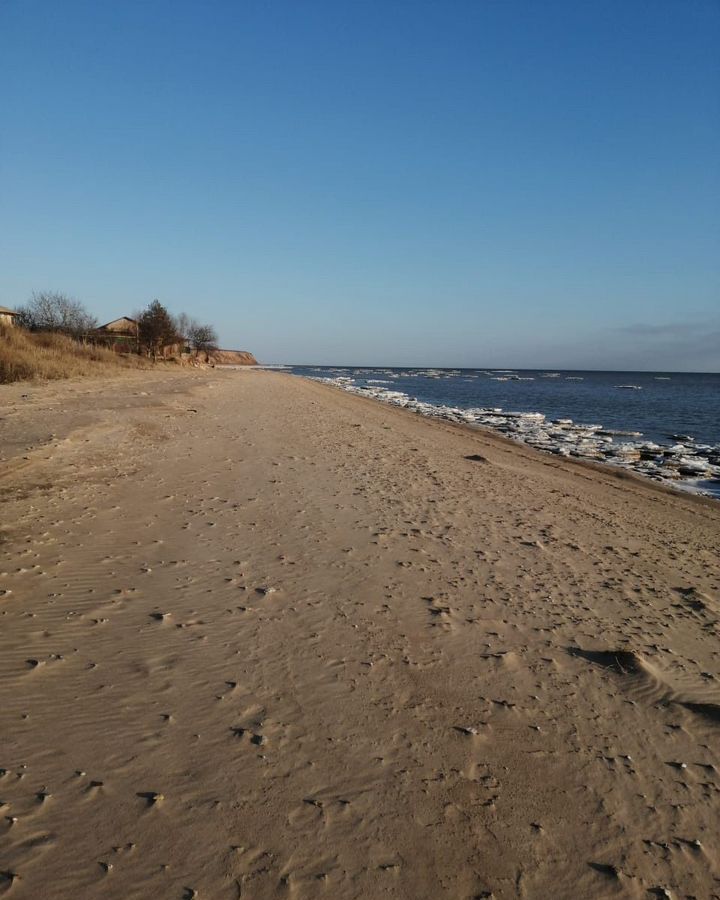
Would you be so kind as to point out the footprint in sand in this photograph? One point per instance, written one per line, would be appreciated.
(644, 683)
(160, 616)
(151, 797)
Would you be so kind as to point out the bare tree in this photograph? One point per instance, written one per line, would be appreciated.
(203, 338)
(53, 311)
(184, 325)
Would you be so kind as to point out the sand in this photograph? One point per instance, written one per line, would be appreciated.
(260, 638)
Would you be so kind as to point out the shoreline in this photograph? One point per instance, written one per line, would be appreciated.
(686, 466)
(607, 468)
(262, 638)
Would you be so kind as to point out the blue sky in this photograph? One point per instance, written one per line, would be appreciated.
(475, 183)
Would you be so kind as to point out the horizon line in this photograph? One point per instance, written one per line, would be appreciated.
(494, 368)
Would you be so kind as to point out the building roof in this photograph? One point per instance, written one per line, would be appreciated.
(117, 323)
(4, 311)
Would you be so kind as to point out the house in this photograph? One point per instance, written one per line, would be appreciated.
(7, 316)
(120, 334)
(124, 325)
(123, 336)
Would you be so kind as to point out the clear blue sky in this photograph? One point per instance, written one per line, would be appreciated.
(491, 182)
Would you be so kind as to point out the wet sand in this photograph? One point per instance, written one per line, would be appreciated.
(260, 638)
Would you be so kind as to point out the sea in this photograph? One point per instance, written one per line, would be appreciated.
(664, 425)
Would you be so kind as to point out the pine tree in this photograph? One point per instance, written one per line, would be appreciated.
(156, 328)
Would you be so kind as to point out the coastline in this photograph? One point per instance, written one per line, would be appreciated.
(261, 637)
(568, 464)
(686, 464)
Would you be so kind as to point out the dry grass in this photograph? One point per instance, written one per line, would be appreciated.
(25, 356)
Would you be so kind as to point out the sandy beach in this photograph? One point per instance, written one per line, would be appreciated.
(260, 638)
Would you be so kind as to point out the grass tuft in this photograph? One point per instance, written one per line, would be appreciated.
(28, 355)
